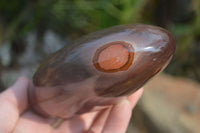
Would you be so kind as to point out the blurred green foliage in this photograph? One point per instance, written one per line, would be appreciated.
(77, 17)
(20, 16)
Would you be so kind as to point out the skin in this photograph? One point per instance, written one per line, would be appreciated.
(16, 117)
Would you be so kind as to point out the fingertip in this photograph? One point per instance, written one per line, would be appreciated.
(17, 94)
(134, 98)
(13, 101)
(21, 80)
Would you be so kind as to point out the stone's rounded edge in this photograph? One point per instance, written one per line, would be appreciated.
(128, 63)
(33, 102)
(164, 56)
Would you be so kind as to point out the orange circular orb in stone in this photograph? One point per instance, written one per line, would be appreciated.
(114, 57)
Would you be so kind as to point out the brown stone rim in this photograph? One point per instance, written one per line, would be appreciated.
(126, 45)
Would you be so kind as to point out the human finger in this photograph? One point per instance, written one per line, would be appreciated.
(120, 114)
(99, 121)
(13, 102)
